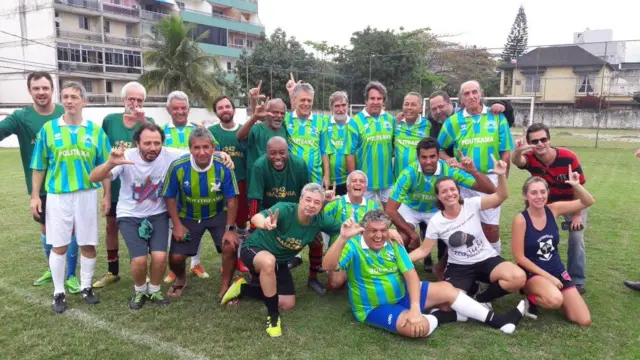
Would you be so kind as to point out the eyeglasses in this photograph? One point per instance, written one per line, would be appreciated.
(541, 140)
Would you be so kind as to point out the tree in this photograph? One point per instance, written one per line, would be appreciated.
(178, 63)
(457, 64)
(518, 37)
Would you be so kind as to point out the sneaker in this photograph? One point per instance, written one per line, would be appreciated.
(89, 296)
(233, 291)
(274, 330)
(581, 289)
(59, 303)
(170, 278)
(44, 279)
(137, 300)
(199, 272)
(72, 284)
(317, 286)
(633, 285)
(240, 266)
(294, 263)
(158, 299)
(530, 310)
(107, 279)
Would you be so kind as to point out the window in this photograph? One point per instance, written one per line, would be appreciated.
(239, 42)
(532, 84)
(228, 65)
(216, 36)
(109, 87)
(217, 12)
(88, 85)
(83, 22)
(250, 43)
(129, 29)
(586, 83)
(107, 27)
(180, 4)
(117, 2)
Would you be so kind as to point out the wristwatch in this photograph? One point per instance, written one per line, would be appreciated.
(230, 228)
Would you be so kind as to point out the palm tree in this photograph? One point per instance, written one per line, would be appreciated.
(178, 63)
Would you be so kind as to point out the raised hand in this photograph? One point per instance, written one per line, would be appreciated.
(137, 114)
(261, 110)
(291, 84)
(499, 166)
(497, 109)
(466, 163)
(117, 155)
(255, 93)
(573, 178)
(350, 228)
(330, 193)
(271, 221)
(400, 116)
(521, 145)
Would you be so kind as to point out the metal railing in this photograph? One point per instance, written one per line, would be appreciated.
(123, 69)
(121, 10)
(224, 17)
(151, 15)
(71, 66)
(94, 98)
(128, 41)
(86, 4)
(79, 35)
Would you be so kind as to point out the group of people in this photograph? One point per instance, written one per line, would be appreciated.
(285, 180)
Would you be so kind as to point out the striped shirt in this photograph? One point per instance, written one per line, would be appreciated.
(374, 278)
(337, 161)
(477, 136)
(309, 139)
(371, 142)
(342, 209)
(417, 190)
(405, 141)
(69, 153)
(177, 137)
(201, 194)
(557, 173)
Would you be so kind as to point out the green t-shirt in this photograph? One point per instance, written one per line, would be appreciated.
(289, 237)
(271, 186)
(236, 149)
(117, 132)
(257, 142)
(26, 124)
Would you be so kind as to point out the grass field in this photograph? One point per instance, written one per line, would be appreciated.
(195, 326)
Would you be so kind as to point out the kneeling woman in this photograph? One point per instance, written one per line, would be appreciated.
(534, 244)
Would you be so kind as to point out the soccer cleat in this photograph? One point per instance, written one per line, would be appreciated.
(233, 291)
(107, 279)
(158, 299)
(530, 310)
(294, 263)
(44, 279)
(137, 300)
(240, 266)
(90, 298)
(317, 286)
(633, 285)
(199, 272)
(72, 284)
(170, 278)
(274, 330)
(59, 303)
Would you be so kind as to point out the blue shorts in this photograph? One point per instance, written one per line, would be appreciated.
(386, 316)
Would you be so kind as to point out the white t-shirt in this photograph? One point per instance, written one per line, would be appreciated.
(142, 182)
(463, 235)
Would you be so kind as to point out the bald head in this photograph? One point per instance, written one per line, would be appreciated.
(277, 152)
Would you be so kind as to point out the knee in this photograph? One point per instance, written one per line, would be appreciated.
(287, 304)
(554, 300)
(88, 251)
(177, 259)
(267, 265)
(336, 282)
(61, 250)
(515, 280)
(228, 250)
(112, 226)
(583, 321)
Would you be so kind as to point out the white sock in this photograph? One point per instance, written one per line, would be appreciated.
(497, 246)
(140, 289)
(433, 322)
(57, 263)
(195, 260)
(153, 288)
(299, 256)
(86, 271)
(470, 308)
(325, 240)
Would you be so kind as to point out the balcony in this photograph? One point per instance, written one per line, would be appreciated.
(127, 41)
(152, 15)
(222, 21)
(120, 69)
(244, 5)
(79, 35)
(94, 98)
(70, 66)
(151, 99)
(120, 12)
(89, 7)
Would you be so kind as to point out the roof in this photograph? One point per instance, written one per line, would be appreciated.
(630, 66)
(556, 56)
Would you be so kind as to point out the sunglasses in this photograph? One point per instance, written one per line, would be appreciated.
(541, 140)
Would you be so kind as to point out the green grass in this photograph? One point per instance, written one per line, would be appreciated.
(195, 326)
(591, 138)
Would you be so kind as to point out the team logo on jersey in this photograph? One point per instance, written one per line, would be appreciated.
(366, 128)
(387, 126)
(313, 132)
(391, 256)
(215, 186)
(57, 136)
(88, 140)
(546, 248)
(491, 126)
(186, 184)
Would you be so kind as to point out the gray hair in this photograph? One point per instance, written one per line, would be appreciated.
(306, 87)
(377, 86)
(474, 82)
(313, 188)
(338, 95)
(276, 139)
(133, 85)
(199, 133)
(76, 86)
(375, 216)
(179, 95)
(276, 101)
(416, 94)
(357, 172)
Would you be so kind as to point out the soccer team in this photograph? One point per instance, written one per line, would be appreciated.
(288, 179)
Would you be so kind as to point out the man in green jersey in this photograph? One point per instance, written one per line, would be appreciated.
(119, 128)
(66, 150)
(385, 291)
(339, 136)
(478, 134)
(226, 133)
(26, 124)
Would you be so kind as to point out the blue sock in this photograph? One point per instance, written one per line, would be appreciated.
(72, 258)
(47, 248)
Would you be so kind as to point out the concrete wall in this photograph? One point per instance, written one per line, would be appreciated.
(574, 118)
(159, 114)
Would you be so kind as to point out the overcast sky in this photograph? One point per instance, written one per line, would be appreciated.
(483, 23)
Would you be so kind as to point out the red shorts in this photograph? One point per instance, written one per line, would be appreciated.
(242, 216)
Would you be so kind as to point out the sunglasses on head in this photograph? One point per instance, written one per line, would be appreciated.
(541, 140)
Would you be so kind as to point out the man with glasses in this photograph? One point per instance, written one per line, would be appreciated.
(553, 164)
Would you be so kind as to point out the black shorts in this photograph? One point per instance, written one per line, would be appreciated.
(464, 276)
(564, 277)
(214, 225)
(43, 206)
(112, 211)
(284, 280)
(341, 189)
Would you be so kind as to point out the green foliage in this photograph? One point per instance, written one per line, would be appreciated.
(518, 37)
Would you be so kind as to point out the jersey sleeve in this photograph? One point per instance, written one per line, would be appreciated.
(9, 126)
(331, 208)
(256, 185)
(39, 157)
(104, 148)
(462, 178)
(171, 183)
(446, 138)
(329, 225)
(402, 258)
(401, 187)
(229, 183)
(346, 258)
(527, 158)
(354, 138)
(325, 141)
(504, 132)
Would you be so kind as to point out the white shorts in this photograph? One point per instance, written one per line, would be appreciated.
(382, 194)
(414, 217)
(488, 216)
(77, 210)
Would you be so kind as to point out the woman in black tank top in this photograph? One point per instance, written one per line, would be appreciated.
(534, 242)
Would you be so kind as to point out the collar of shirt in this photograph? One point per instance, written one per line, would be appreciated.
(197, 168)
(438, 168)
(364, 246)
(418, 121)
(366, 114)
(295, 116)
(170, 125)
(466, 114)
(362, 203)
(62, 123)
(234, 128)
(333, 120)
